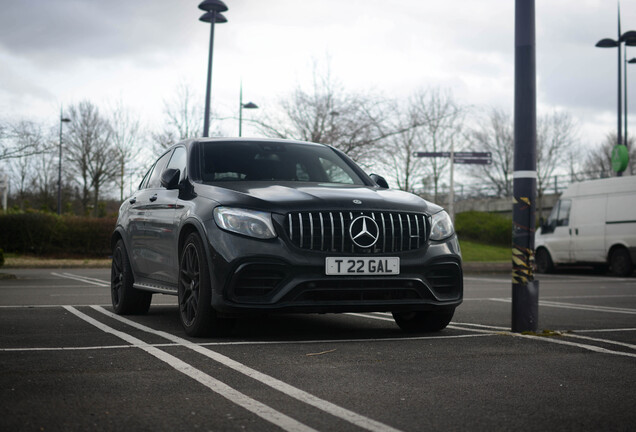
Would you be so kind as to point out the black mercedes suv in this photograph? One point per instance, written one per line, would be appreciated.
(237, 226)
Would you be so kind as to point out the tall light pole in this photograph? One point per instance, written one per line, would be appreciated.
(249, 105)
(629, 38)
(59, 165)
(213, 16)
(525, 289)
(631, 61)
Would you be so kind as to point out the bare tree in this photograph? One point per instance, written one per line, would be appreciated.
(21, 139)
(495, 134)
(556, 134)
(436, 122)
(184, 118)
(27, 139)
(44, 180)
(126, 141)
(90, 151)
(353, 123)
(598, 163)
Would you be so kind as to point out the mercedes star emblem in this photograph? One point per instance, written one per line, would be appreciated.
(364, 231)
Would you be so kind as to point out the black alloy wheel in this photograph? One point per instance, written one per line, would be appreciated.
(126, 300)
(423, 321)
(198, 318)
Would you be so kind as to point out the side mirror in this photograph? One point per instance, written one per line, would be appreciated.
(380, 181)
(170, 178)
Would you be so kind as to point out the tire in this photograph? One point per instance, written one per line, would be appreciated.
(196, 314)
(423, 321)
(126, 300)
(543, 261)
(621, 263)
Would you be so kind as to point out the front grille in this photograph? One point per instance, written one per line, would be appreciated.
(328, 231)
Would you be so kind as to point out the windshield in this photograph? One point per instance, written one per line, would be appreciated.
(272, 161)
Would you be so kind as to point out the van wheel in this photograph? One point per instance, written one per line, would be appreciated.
(621, 262)
(543, 261)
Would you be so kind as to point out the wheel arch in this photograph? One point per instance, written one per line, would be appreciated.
(118, 234)
(614, 248)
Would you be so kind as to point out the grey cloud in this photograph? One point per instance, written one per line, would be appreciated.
(57, 32)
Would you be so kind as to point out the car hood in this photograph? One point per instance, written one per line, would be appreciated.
(285, 197)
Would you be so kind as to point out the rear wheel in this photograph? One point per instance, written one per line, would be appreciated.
(543, 261)
(126, 299)
(621, 262)
(423, 321)
(198, 318)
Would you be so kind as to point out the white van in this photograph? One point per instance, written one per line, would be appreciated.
(593, 223)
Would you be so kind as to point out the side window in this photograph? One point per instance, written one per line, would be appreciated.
(178, 161)
(155, 178)
(564, 213)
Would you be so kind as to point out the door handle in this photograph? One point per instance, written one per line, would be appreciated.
(132, 200)
(153, 198)
(576, 230)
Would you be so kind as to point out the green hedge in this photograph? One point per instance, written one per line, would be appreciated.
(484, 227)
(48, 234)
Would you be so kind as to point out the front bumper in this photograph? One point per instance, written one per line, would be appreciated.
(251, 275)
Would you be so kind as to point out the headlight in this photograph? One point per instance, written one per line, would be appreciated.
(442, 226)
(247, 222)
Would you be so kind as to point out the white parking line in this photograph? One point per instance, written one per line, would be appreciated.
(501, 330)
(576, 306)
(265, 412)
(296, 393)
(92, 281)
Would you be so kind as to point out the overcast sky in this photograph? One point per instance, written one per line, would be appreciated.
(55, 53)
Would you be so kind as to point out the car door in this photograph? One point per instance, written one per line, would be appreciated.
(588, 228)
(556, 232)
(162, 226)
(142, 211)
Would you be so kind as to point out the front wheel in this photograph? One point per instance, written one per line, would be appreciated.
(126, 299)
(423, 321)
(198, 318)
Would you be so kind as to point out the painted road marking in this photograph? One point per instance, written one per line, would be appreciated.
(576, 306)
(265, 412)
(296, 393)
(541, 338)
(92, 281)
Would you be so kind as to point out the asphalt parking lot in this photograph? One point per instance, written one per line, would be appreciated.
(68, 363)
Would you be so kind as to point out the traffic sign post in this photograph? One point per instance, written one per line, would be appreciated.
(466, 158)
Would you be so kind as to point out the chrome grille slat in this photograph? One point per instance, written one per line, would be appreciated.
(404, 234)
(322, 232)
(300, 222)
(311, 231)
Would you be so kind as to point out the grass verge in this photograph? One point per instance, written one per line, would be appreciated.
(473, 251)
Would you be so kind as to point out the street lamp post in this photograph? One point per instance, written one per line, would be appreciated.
(629, 38)
(249, 105)
(59, 165)
(213, 15)
(631, 61)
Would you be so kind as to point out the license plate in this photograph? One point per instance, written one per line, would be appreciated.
(362, 266)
